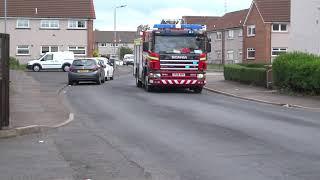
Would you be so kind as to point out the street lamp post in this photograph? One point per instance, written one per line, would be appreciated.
(115, 28)
(5, 16)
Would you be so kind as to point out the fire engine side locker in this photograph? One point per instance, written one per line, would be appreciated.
(138, 60)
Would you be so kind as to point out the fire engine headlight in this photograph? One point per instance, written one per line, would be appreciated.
(157, 75)
(201, 76)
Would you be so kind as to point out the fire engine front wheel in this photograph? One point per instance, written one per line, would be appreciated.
(147, 87)
(197, 90)
(138, 83)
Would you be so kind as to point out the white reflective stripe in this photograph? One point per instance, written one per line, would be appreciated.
(164, 82)
(188, 82)
(176, 81)
(182, 82)
(179, 60)
(170, 82)
(194, 82)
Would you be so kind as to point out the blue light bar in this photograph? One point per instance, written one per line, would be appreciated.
(176, 26)
(165, 26)
(192, 26)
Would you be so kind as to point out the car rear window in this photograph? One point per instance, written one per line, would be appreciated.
(84, 62)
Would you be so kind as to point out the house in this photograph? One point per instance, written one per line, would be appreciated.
(304, 34)
(267, 28)
(105, 43)
(37, 27)
(226, 35)
(227, 38)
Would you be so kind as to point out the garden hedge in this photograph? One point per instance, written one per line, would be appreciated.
(298, 72)
(246, 73)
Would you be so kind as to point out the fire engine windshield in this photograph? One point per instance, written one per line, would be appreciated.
(178, 44)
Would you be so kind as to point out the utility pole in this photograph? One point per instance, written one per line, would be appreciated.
(225, 6)
(115, 30)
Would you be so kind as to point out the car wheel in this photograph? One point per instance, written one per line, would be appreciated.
(66, 67)
(111, 78)
(36, 68)
(70, 82)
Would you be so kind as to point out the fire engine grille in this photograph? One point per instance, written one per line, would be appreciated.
(179, 64)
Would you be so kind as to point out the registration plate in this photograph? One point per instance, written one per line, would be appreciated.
(83, 71)
(178, 74)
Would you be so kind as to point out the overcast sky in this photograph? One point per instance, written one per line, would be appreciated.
(152, 11)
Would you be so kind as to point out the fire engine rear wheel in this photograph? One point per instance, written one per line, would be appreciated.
(138, 83)
(198, 90)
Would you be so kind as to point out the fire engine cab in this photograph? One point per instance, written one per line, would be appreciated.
(171, 55)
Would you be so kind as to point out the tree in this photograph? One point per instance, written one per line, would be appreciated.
(96, 53)
(124, 51)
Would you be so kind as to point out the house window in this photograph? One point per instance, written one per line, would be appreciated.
(278, 51)
(251, 53)
(22, 23)
(279, 28)
(45, 49)
(240, 33)
(114, 44)
(49, 24)
(77, 24)
(23, 50)
(219, 36)
(218, 54)
(78, 50)
(251, 30)
(230, 34)
(230, 55)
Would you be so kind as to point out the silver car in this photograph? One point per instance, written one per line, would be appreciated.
(86, 70)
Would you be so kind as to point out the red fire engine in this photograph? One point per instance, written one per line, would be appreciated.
(171, 55)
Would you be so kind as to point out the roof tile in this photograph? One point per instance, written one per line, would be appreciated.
(50, 8)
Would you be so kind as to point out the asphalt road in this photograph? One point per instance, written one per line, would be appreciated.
(122, 132)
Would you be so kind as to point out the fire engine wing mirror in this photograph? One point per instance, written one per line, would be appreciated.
(208, 47)
(145, 46)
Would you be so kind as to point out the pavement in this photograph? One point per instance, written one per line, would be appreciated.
(33, 106)
(216, 83)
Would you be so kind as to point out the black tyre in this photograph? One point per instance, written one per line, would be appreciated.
(111, 78)
(36, 68)
(147, 87)
(70, 82)
(138, 83)
(198, 90)
(66, 67)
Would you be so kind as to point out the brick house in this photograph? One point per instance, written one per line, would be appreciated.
(226, 35)
(267, 28)
(227, 38)
(36, 27)
(300, 38)
(104, 41)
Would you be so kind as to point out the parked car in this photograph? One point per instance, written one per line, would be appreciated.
(128, 59)
(89, 69)
(108, 70)
(116, 61)
(52, 60)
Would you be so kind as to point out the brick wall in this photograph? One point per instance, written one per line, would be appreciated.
(90, 38)
(261, 41)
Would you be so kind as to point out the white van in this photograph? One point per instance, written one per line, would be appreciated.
(52, 60)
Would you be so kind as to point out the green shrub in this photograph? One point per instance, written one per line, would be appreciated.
(298, 72)
(15, 64)
(241, 73)
(96, 53)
